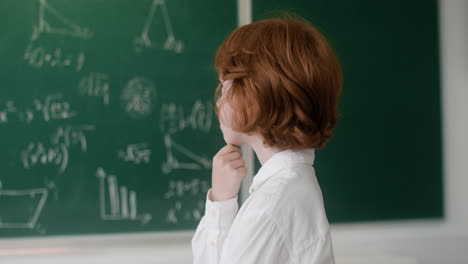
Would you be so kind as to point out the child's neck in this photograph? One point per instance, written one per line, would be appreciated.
(263, 152)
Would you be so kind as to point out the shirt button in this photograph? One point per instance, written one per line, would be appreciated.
(213, 213)
(212, 243)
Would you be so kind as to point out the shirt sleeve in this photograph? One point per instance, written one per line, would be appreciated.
(208, 240)
(319, 251)
(255, 239)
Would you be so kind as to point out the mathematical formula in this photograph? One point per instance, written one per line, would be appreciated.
(51, 107)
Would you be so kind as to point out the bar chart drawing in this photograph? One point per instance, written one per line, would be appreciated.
(122, 202)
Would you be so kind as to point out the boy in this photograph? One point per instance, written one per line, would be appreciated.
(279, 91)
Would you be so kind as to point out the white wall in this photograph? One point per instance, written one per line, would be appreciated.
(425, 242)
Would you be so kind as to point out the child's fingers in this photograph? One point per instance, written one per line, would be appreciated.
(241, 171)
(227, 149)
(232, 155)
(238, 163)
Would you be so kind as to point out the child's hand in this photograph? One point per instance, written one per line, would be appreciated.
(228, 173)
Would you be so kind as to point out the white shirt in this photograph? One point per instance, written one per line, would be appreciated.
(283, 220)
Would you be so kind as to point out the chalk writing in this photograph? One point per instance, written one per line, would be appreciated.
(180, 188)
(39, 57)
(135, 153)
(72, 135)
(52, 107)
(9, 108)
(95, 85)
(174, 119)
(37, 153)
(56, 153)
(178, 213)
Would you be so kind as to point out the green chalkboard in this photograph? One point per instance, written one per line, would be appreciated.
(385, 161)
(106, 114)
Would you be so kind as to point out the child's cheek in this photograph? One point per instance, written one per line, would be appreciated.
(230, 136)
(225, 115)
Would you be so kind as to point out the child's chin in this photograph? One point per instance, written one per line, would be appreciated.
(232, 141)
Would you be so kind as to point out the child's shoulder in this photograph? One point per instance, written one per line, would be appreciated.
(292, 198)
(290, 189)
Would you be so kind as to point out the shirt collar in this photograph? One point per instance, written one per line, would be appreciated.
(280, 160)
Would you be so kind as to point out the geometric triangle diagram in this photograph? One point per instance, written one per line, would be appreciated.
(197, 162)
(162, 35)
(51, 21)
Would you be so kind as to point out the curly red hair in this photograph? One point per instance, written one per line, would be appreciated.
(286, 82)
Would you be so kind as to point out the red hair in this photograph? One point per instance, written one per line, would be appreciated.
(286, 82)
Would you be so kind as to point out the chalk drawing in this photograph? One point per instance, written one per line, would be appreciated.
(122, 202)
(34, 198)
(138, 97)
(63, 26)
(144, 40)
(173, 149)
